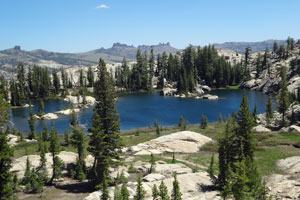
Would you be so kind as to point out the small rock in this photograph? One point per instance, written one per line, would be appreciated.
(261, 129)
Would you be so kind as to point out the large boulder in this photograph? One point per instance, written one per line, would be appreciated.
(182, 142)
(261, 129)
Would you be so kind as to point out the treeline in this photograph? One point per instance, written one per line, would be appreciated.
(40, 83)
(184, 70)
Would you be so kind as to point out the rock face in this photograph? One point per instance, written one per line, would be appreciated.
(183, 142)
(261, 129)
(193, 186)
(90, 101)
(251, 84)
(168, 92)
(286, 186)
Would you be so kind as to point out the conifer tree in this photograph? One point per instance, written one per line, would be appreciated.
(220, 118)
(4, 114)
(117, 193)
(45, 133)
(176, 194)
(283, 96)
(90, 77)
(124, 192)
(41, 108)
(245, 125)
(6, 154)
(105, 129)
(254, 115)
(155, 192)
(163, 191)
(203, 121)
(157, 128)
(140, 192)
(105, 192)
(56, 82)
(31, 122)
(173, 158)
(210, 170)
(66, 138)
(269, 109)
(78, 141)
(54, 150)
(152, 162)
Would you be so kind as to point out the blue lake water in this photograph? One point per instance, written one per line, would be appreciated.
(141, 109)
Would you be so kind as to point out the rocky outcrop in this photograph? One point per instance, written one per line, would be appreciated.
(67, 111)
(261, 129)
(286, 186)
(251, 84)
(209, 97)
(78, 101)
(13, 140)
(19, 164)
(183, 142)
(168, 92)
(193, 186)
(48, 116)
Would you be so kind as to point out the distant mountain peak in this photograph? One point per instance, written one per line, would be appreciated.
(17, 48)
(117, 44)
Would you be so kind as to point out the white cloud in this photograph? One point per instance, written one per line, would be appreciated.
(102, 6)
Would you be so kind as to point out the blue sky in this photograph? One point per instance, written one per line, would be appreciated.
(83, 25)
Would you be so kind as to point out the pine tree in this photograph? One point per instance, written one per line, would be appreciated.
(90, 77)
(42, 168)
(155, 192)
(117, 193)
(152, 162)
(78, 140)
(283, 96)
(66, 138)
(6, 154)
(124, 192)
(163, 191)
(173, 158)
(56, 82)
(45, 133)
(31, 122)
(105, 129)
(176, 194)
(105, 192)
(245, 125)
(41, 108)
(181, 121)
(269, 109)
(211, 171)
(4, 108)
(157, 128)
(254, 115)
(54, 150)
(203, 121)
(220, 118)
(140, 192)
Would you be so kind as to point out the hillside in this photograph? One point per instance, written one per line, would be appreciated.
(10, 57)
(240, 47)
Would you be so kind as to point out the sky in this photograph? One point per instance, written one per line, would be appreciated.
(84, 25)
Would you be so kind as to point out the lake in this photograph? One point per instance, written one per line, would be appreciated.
(141, 109)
